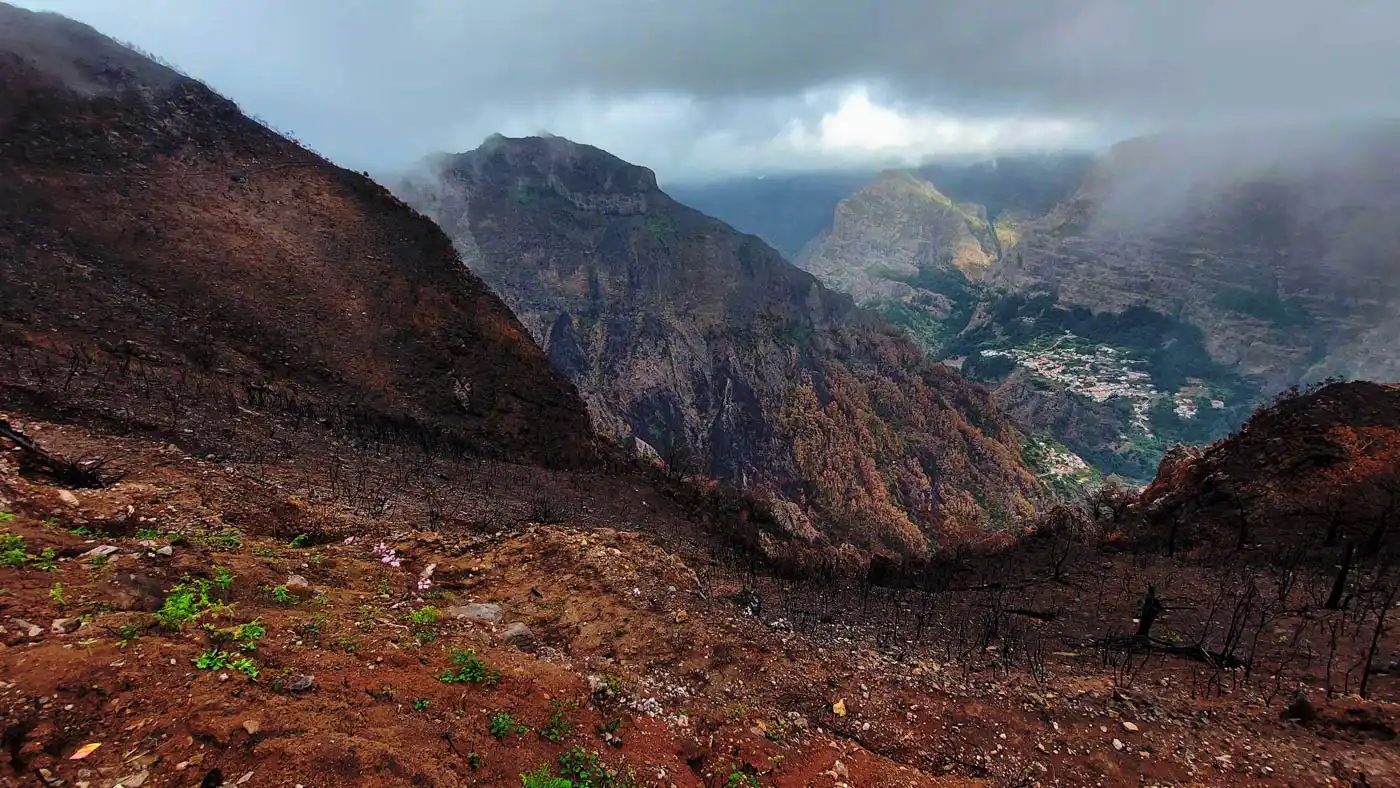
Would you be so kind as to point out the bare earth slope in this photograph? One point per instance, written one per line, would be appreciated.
(731, 362)
(147, 218)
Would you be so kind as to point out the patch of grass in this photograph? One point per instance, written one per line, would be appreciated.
(56, 594)
(542, 778)
(81, 530)
(265, 552)
(301, 540)
(503, 724)
(422, 704)
(470, 670)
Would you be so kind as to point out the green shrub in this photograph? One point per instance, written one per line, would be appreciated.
(470, 670)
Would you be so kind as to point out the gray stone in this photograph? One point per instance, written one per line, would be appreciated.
(297, 583)
(30, 630)
(100, 552)
(301, 683)
(63, 626)
(518, 635)
(484, 612)
(166, 551)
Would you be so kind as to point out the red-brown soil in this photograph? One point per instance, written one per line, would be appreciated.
(703, 685)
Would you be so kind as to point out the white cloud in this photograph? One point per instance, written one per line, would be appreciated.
(858, 126)
(828, 128)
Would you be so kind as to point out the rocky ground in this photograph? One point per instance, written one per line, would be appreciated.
(166, 620)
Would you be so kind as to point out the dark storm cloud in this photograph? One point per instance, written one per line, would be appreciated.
(381, 81)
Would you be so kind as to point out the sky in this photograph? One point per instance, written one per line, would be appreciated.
(701, 89)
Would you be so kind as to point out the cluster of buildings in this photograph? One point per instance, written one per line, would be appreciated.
(1100, 373)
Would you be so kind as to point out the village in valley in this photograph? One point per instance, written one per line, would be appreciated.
(1101, 373)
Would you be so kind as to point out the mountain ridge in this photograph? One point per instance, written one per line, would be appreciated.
(710, 347)
(150, 218)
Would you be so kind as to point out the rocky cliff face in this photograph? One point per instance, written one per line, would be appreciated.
(890, 230)
(730, 362)
(147, 219)
(901, 247)
(1284, 253)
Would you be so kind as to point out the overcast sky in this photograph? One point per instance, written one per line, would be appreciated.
(703, 88)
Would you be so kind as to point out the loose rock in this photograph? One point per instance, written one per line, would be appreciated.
(63, 626)
(518, 635)
(477, 611)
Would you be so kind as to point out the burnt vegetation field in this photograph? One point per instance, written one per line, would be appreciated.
(1256, 578)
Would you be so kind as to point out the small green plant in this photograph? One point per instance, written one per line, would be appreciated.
(739, 778)
(184, 602)
(542, 778)
(81, 530)
(300, 540)
(421, 704)
(224, 540)
(5, 517)
(383, 587)
(425, 616)
(98, 560)
(264, 552)
(213, 659)
(776, 731)
(46, 560)
(12, 552)
(56, 594)
(470, 670)
(283, 596)
(502, 725)
(246, 666)
(586, 770)
(473, 760)
(557, 728)
(310, 628)
(223, 578)
(249, 633)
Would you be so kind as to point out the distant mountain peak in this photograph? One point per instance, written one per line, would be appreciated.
(590, 177)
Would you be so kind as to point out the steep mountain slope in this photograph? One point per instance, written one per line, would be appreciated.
(1314, 473)
(899, 245)
(147, 219)
(709, 346)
